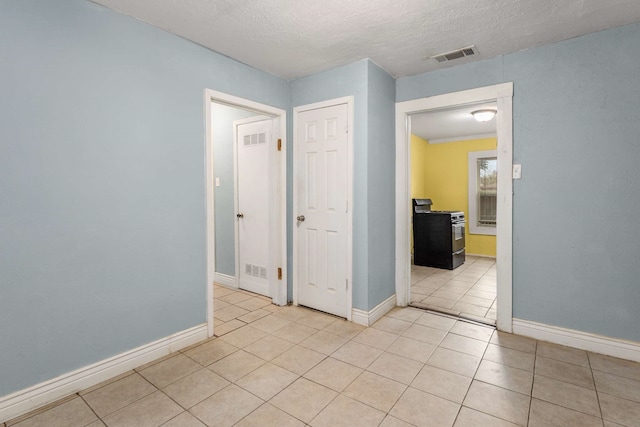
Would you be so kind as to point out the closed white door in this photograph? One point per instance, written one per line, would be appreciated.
(321, 211)
(252, 208)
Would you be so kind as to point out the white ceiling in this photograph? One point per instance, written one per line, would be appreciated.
(294, 38)
(453, 124)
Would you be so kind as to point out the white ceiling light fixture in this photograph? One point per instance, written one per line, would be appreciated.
(484, 115)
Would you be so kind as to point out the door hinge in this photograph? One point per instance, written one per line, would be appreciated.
(279, 144)
(346, 283)
(279, 273)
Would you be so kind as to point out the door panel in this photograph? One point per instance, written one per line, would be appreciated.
(321, 161)
(253, 144)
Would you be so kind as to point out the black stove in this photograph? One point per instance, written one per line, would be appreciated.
(438, 236)
(456, 216)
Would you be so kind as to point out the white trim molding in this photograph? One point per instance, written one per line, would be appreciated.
(615, 347)
(462, 138)
(481, 256)
(29, 399)
(502, 94)
(368, 318)
(225, 280)
(472, 192)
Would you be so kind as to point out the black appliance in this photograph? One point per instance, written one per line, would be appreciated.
(438, 236)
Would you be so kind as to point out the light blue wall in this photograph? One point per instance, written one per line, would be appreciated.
(374, 171)
(381, 187)
(576, 133)
(222, 129)
(349, 80)
(102, 212)
(452, 79)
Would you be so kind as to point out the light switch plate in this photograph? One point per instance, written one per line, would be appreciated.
(217, 181)
(517, 171)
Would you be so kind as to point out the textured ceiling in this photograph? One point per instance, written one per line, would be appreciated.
(294, 38)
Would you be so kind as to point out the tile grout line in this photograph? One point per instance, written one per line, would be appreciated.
(535, 360)
(595, 387)
(340, 393)
(298, 375)
(90, 408)
(366, 368)
(473, 379)
(130, 403)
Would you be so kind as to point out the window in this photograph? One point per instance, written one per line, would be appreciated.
(483, 192)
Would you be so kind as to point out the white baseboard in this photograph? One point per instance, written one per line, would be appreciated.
(368, 318)
(615, 347)
(482, 256)
(225, 279)
(23, 401)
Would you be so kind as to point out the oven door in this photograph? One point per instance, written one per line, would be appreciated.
(457, 236)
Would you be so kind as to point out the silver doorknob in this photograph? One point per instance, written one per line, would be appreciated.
(240, 216)
(300, 218)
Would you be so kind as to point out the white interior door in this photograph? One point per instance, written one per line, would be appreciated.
(254, 143)
(321, 211)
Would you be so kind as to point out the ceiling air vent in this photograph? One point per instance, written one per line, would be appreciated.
(456, 54)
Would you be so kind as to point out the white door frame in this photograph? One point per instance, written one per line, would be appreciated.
(503, 94)
(296, 111)
(279, 243)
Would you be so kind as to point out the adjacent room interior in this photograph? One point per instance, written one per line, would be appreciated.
(454, 175)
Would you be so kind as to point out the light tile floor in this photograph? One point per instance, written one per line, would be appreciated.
(468, 291)
(291, 366)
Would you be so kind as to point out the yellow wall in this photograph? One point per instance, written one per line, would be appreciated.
(440, 172)
(418, 172)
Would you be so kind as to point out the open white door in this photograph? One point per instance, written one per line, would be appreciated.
(254, 142)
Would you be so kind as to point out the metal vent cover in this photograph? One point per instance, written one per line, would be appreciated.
(255, 139)
(456, 54)
(255, 270)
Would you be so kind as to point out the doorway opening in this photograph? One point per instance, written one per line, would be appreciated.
(453, 198)
(224, 114)
(501, 95)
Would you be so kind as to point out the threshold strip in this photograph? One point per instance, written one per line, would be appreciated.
(481, 321)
